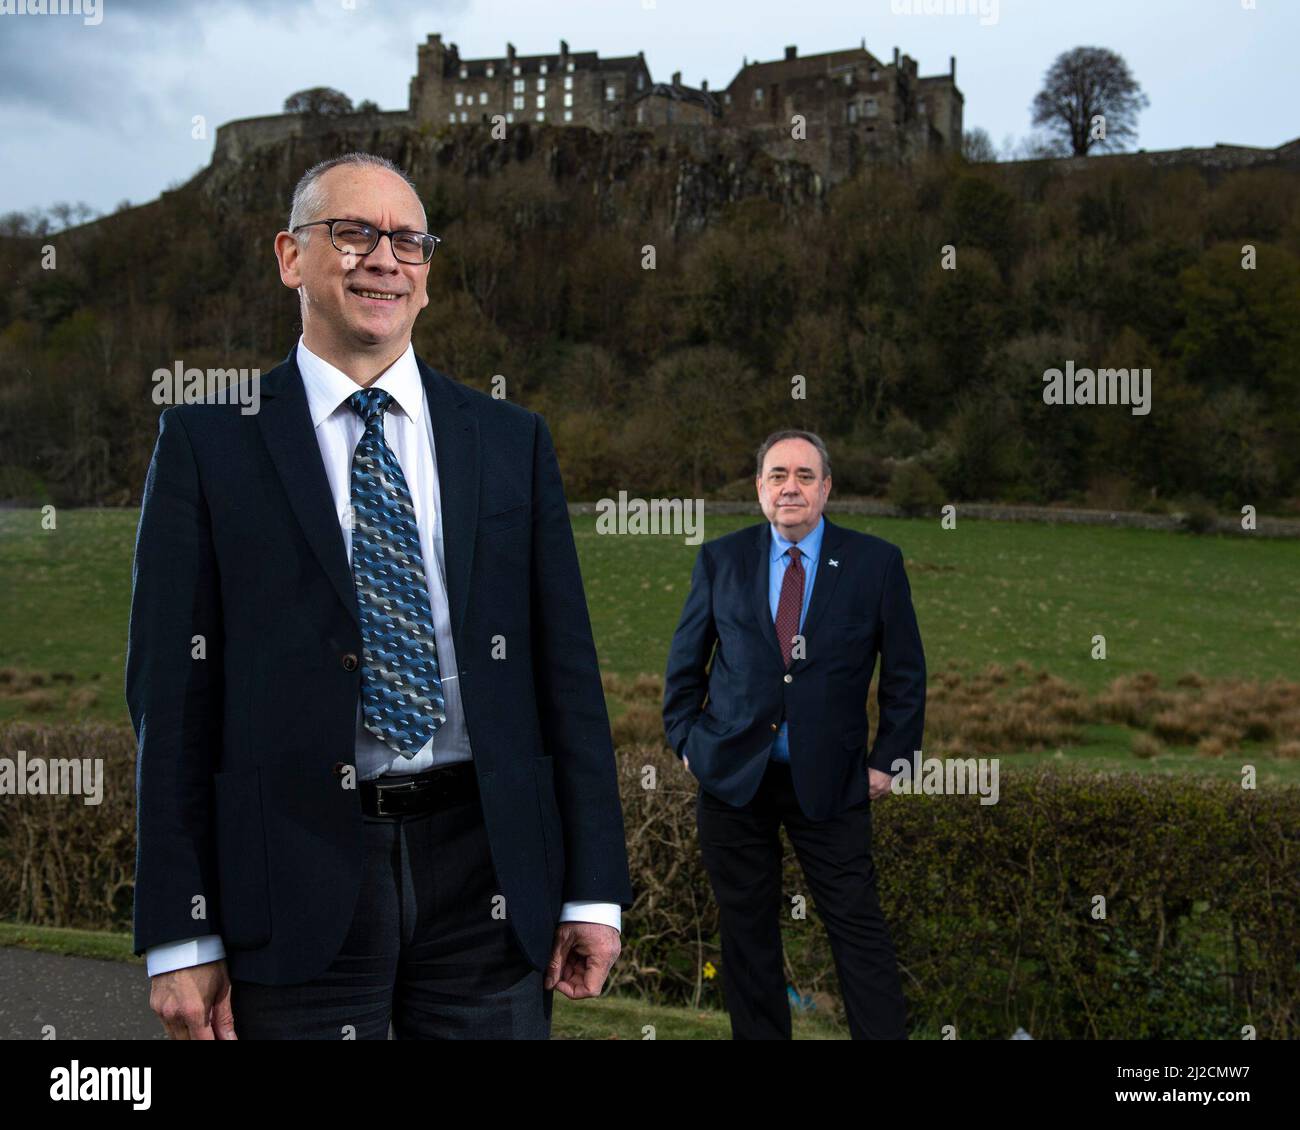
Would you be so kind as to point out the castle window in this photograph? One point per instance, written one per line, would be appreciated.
(491, 70)
(541, 101)
(519, 102)
(853, 112)
(640, 114)
(920, 103)
(568, 99)
(542, 68)
(541, 84)
(464, 72)
(726, 97)
(464, 115)
(519, 86)
(610, 94)
(758, 96)
(875, 75)
(510, 117)
(570, 66)
(460, 98)
(568, 82)
(451, 115)
(640, 80)
(516, 70)
(871, 108)
(482, 98)
(568, 115)
(848, 78)
(540, 116)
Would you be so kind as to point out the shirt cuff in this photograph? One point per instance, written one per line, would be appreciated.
(605, 913)
(181, 955)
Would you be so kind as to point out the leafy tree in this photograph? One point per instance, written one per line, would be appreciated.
(320, 100)
(1085, 87)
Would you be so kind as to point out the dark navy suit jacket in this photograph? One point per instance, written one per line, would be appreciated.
(724, 717)
(243, 755)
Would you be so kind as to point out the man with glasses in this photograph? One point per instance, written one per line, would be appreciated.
(376, 783)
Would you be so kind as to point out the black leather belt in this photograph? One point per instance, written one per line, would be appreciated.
(410, 794)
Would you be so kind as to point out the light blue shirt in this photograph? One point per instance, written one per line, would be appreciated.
(811, 548)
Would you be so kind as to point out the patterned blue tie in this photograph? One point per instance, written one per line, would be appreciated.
(401, 693)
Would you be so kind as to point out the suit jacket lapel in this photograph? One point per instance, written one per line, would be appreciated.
(759, 591)
(286, 426)
(285, 421)
(827, 577)
(456, 444)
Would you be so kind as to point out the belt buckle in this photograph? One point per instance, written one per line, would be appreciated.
(398, 790)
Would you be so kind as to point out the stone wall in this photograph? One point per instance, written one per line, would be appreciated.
(1215, 159)
(237, 139)
(996, 512)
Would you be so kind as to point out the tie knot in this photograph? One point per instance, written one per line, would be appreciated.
(794, 553)
(370, 404)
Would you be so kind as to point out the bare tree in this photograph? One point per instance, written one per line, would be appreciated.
(1089, 98)
(318, 100)
(977, 147)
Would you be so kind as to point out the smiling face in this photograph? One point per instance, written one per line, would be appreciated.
(356, 305)
(791, 489)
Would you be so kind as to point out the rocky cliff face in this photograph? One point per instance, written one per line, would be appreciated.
(676, 176)
(679, 176)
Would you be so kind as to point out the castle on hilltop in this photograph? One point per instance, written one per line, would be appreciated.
(834, 112)
(895, 112)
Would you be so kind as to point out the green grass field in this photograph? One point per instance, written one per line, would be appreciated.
(998, 592)
(985, 592)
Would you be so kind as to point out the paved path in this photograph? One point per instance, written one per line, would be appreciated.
(84, 999)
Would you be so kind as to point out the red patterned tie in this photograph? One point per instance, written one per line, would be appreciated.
(790, 605)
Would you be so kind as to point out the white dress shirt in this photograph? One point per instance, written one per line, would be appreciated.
(408, 431)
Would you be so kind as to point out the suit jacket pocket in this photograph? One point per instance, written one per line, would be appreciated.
(504, 519)
(245, 903)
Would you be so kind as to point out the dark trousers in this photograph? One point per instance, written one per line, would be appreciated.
(425, 949)
(742, 854)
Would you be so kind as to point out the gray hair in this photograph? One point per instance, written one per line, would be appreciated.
(308, 197)
(793, 433)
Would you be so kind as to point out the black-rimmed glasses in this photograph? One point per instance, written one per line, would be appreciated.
(361, 239)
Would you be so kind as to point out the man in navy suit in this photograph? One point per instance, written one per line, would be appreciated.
(376, 782)
(765, 702)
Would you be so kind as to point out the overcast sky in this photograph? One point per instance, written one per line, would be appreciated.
(102, 112)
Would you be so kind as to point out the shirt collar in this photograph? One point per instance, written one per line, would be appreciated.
(328, 388)
(810, 546)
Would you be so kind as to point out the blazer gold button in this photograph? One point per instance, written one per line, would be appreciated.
(789, 678)
(349, 662)
(774, 727)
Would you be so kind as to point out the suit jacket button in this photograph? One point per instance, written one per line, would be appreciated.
(774, 727)
(349, 662)
(789, 678)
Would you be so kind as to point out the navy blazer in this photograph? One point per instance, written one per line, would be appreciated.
(246, 825)
(724, 718)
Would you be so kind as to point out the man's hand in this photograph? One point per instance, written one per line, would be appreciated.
(194, 1003)
(882, 784)
(581, 958)
(686, 761)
